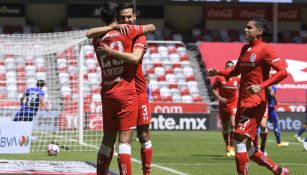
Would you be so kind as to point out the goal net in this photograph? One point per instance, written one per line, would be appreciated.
(67, 63)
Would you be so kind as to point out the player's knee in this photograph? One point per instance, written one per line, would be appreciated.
(144, 136)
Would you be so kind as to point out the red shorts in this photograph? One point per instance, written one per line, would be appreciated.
(225, 115)
(120, 110)
(248, 119)
(144, 117)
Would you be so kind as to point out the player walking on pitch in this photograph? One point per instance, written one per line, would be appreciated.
(254, 64)
(226, 91)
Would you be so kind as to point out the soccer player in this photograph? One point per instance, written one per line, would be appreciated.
(300, 131)
(118, 86)
(126, 15)
(226, 91)
(254, 64)
(31, 101)
(272, 118)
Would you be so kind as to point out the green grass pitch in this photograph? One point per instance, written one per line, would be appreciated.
(193, 153)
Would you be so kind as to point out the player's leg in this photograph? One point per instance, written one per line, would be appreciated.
(300, 131)
(143, 134)
(127, 119)
(146, 147)
(247, 125)
(105, 153)
(231, 134)
(263, 133)
(124, 152)
(225, 129)
(273, 118)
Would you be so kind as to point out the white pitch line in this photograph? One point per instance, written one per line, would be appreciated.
(229, 164)
(138, 161)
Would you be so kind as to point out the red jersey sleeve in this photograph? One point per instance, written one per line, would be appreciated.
(236, 70)
(140, 43)
(135, 31)
(277, 64)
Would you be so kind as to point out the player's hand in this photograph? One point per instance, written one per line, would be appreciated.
(123, 28)
(212, 72)
(254, 89)
(103, 49)
(223, 100)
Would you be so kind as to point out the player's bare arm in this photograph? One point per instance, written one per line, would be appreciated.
(212, 72)
(133, 57)
(94, 32)
(43, 104)
(216, 93)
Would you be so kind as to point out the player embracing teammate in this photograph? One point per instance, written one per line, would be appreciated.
(124, 89)
(254, 64)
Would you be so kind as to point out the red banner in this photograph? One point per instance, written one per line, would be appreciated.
(293, 89)
(246, 13)
(179, 108)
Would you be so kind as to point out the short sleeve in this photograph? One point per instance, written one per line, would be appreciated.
(140, 42)
(136, 30)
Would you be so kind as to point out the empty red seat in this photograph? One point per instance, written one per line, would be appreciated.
(161, 77)
(197, 98)
(190, 78)
(169, 70)
(184, 91)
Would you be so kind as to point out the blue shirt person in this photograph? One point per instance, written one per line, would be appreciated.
(31, 101)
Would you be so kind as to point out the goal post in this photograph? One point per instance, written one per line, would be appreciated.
(67, 63)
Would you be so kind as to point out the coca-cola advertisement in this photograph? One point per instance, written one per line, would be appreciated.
(245, 13)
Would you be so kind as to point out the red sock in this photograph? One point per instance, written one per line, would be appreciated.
(241, 159)
(146, 154)
(124, 159)
(103, 161)
(262, 160)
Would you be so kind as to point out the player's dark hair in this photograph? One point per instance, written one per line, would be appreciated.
(40, 83)
(229, 61)
(124, 6)
(108, 12)
(263, 25)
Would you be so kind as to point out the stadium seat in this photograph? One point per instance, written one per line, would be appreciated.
(173, 85)
(155, 92)
(171, 78)
(157, 98)
(159, 71)
(184, 91)
(30, 71)
(31, 82)
(194, 91)
(167, 98)
(174, 57)
(184, 57)
(188, 71)
(161, 77)
(65, 92)
(153, 84)
(190, 78)
(175, 92)
(169, 70)
(181, 78)
(41, 76)
(181, 50)
(192, 84)
(187, 99)
(155, 57)
(197, 98)
(64, 78)
(164, 91)
(176, 99)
